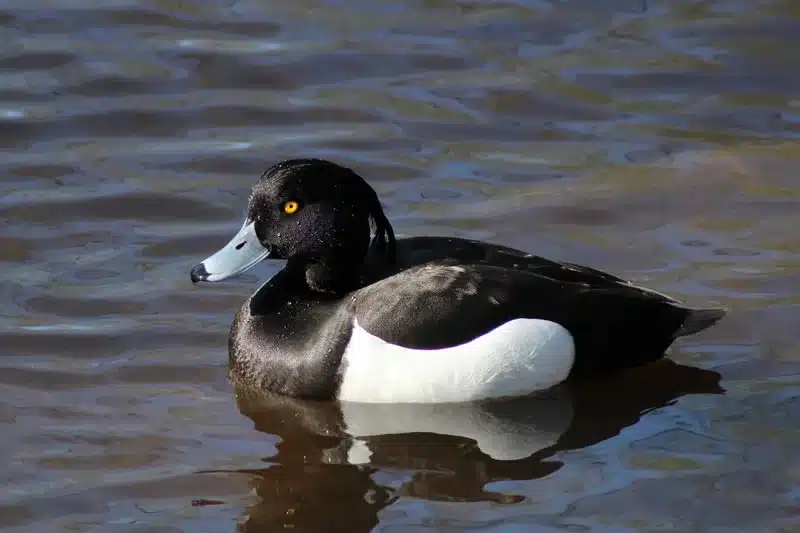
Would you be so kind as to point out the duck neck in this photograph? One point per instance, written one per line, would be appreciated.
(323, 280)
(329, 275)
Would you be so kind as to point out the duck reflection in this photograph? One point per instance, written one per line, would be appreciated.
(338, 465)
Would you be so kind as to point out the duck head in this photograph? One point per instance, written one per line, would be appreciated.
(316, 215)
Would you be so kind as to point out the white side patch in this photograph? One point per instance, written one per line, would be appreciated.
(517, 358)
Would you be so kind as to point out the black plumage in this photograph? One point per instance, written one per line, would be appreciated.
(420, 292)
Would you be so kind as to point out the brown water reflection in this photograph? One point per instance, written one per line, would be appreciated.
(323, 473)
(659, 140)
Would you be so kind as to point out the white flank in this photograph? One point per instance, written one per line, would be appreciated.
(515, 359)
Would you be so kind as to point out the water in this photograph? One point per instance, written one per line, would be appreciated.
(658, 140)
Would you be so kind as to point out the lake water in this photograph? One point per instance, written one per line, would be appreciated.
(657, 139)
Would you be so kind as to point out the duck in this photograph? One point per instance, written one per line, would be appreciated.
(358, 315)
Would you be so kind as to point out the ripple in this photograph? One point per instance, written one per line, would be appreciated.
(656, 141)
(139, 206)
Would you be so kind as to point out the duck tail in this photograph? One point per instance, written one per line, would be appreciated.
(699, 319)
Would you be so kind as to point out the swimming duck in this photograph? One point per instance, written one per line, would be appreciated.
(357, 315)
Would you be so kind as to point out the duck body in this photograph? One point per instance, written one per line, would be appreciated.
(429, 319)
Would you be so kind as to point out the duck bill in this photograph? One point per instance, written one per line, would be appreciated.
(243, 252)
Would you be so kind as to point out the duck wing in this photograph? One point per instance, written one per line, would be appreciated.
(447, 302)
(419, 250)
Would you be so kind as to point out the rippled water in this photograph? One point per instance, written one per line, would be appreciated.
(659, 140)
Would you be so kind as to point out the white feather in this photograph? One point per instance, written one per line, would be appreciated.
(517, 358)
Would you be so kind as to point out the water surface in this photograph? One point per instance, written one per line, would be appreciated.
(658, 140)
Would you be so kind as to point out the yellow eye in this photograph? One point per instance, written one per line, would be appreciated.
(290, 207)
